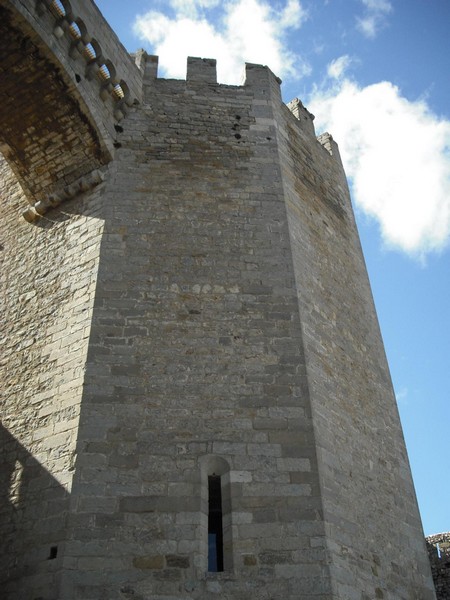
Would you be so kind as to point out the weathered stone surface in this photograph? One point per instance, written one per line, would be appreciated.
(63, 91)
(48, 283)
(149, 562)
(438, 547)
(204, 310)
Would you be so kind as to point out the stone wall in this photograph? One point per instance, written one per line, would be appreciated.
(203, 311)
(67, 81)
(81, 42)
(438, 547)
(367, 490)
(231, 330)
(195, 362)
(48, 277)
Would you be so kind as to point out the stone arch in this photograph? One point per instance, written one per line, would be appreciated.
(56, 125)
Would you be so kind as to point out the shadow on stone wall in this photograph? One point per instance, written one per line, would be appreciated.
(33, 509)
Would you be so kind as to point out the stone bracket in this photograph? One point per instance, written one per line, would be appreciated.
(54, 199)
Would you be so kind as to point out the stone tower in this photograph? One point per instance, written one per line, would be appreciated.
(197, 401)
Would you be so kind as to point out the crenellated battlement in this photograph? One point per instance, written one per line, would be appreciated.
(302, 114)
(203, 71)
(259, 78)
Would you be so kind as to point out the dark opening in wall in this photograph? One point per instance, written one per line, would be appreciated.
(53, 552)
(215, 530)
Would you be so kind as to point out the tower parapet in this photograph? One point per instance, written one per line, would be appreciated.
(302, 114)
(201, 71)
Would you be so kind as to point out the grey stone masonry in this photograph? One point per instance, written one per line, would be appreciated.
(196, 310)
(48, 279)
(66, 83)
(438, 547)
(196, 360)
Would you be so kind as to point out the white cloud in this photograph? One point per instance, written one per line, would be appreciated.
(192, 8)
(378, 5)
(246, 31)
(169, 37)
(337, 68)
(397, 155)
(368, 26)
(293, 15)
(402, 396)
(374, 18)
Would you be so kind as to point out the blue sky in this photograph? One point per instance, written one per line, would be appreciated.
(376, 74)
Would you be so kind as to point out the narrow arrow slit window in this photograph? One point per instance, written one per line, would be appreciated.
(215, 529)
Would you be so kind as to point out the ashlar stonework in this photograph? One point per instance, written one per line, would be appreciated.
(438, 547)
(197, 402)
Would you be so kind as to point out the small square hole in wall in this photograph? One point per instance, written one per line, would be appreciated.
(53, 552)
